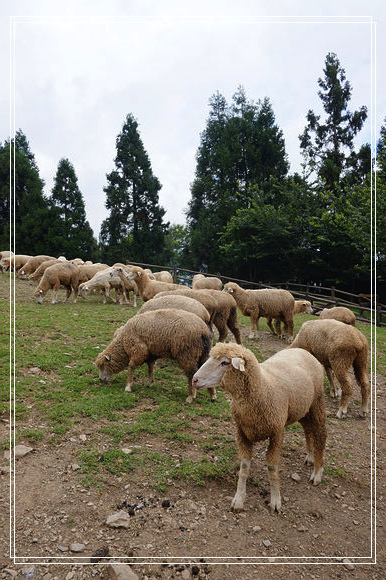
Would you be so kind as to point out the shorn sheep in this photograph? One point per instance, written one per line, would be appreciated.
(60, 274)
(201, 282)
(104, 281)
(340, 313)
(286, 388)
(338, 347)
(128, 284)
(169, 333)
(271, 303)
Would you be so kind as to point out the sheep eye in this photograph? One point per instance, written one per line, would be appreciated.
(224, 363)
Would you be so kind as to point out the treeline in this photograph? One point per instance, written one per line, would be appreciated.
(247, 217)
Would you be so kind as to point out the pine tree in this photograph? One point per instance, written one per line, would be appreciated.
(240, 147)
(328, 146)
(29, 207)
(134, 230)
(72, 234)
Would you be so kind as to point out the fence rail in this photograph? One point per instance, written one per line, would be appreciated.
(366, 306)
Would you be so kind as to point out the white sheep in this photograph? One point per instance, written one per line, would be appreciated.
(284, 389)
(168, 333)
(300, 307)
(340, 313)
(210, 303)
(176, 301)
(201, 282)
(60, 274)
(88, 271)
(38, 273)
(338, 347)
(33, 263)
(226, 314)
(104, 281)
(163, 276)
(271, 303)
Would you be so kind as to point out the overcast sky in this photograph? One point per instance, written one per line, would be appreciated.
(81, 66)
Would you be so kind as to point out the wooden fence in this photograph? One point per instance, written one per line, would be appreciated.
(367, 307)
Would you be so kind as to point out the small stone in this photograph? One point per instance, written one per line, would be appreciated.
(83, 437)
(348, 564)
(75, 467)
(99, 554)
(302, 529)
(118, 520)
(166, 503)
(296, 477)
(127, 450)
(185, 575)
(256, 529)
(77, 547)
(22, 450)
(121, 572)
(9, 573)
(267, 543)
(63, 548)
(355, 522)
(70, 575)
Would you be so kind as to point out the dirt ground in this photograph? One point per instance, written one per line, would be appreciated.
(189, 531)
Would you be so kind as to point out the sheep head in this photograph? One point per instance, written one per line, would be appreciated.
(102, 362)
(212, 372)
(39, 295)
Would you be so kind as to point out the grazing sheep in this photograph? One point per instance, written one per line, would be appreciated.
(163, 276)
(103, 281)
(340, 313)
(89, 271)
(338, 346)
(15, 261)
(226, 314)
(272, 303)
(170, 333)
(286, 388)
(148, 288)
(180, 302)
(207, 301)
(201, 282)
(33, 263)
(60, 274)
(128, 284)
(38, 273)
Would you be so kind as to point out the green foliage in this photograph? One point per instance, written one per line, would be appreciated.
(134, 230)
(328, 145)
(72, 235)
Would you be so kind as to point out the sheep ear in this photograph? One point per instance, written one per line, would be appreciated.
(238, 363)
(107, 357)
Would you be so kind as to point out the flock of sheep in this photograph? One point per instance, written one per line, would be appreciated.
(177, 322)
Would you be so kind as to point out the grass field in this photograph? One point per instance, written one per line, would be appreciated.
(57, 392)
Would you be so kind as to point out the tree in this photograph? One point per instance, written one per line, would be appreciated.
(134, 230)
(240, 147)
(72, 234)
(328, 146)
(29, 207)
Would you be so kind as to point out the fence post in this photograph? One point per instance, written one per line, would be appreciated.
(174, 274)
(378, 315)
(333, 293)
(308, 290)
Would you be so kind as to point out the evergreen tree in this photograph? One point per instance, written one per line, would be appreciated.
(29, 207)
(134, 230)
(328, 146)
(240, 147)
(71, 233)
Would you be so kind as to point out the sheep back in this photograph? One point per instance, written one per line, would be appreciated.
(340, 313)
(176, 301)
(210, 283)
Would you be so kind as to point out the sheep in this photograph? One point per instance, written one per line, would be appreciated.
(180, 302)
(169, 333)
(15, 261)
(4, 254)
(338, 346)
(60, 274)
(206, 300)
(270, 302)
(38, 273)
(89, 271)
(200, 282)
(129, 285)
(340, 313)
(163, 276)
(103, 281)
(148, 288)
(77, 261)
(226, 314)
(301, 306)
(284, 389)
(33, 263)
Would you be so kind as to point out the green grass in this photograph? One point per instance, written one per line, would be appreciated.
(57, 392)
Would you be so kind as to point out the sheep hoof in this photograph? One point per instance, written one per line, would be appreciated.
(251, 335)
(316, 476)
(189, 399)
(237, 504)
(309, 460)
(342, 413)
(213, 398)
(275, 505)
(128, 389)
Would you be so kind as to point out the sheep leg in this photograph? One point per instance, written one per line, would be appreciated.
(315, 431)
(343, 377)
(55, 290)
(222, 330)
(134, 300)
(362, 377)
(335, 392)
(254, 326)
(141, 356)
(269, 324)
(68, 292)
(245, 453)
(150, 366)
(233, 326)
(289, 329)
(272, 459)
(192, 391)
(278, 329)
